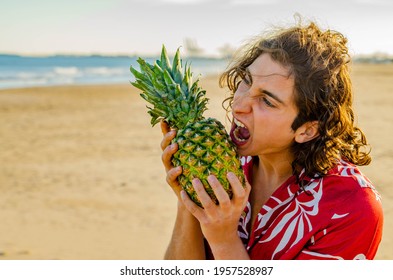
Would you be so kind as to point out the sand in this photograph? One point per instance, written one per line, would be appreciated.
(81, 174)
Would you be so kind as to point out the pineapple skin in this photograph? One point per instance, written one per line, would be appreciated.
(205, 148)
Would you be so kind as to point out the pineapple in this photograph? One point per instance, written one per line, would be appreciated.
(204, 145)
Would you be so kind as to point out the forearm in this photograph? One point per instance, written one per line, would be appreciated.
(233, 250)
(187, 239)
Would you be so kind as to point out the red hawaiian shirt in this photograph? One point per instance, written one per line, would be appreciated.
(338, 216)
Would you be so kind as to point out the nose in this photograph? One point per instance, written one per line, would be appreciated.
(241, 102)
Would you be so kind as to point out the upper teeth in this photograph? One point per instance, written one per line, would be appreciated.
(238, 123)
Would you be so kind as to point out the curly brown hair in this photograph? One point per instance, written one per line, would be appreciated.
(319, 62)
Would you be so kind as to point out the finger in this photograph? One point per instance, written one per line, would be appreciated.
(171, 176)
(168, 137)
(173, 182)
(203, 196)
(219, 191)
(194, 209)
(240, 192)
(167, 154)
(164, 127)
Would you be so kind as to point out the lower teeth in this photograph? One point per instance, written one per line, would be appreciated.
(235, 133)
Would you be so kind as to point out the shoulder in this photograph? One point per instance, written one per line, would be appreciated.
(350, 217)
(346, 191)
(346, 181)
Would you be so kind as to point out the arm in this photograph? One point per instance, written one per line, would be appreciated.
(219, 222)
(187, 239)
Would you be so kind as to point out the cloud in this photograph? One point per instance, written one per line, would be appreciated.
(374, 2)
(183, 2)
(252, 2)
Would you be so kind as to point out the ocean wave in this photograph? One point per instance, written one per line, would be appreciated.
(12, 83)
(106, 71)
(67, 71)
(25, 71)
(63, 75)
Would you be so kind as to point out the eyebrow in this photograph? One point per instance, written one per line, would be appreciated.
(272, 95)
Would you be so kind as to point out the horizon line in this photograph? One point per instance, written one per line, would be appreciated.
(376, 54)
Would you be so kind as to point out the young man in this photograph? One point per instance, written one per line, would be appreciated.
(293, 124)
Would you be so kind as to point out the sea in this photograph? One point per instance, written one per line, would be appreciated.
(30, 71)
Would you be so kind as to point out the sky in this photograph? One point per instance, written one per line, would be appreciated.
(129, 27)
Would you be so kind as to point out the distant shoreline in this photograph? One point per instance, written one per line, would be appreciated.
(359, 58)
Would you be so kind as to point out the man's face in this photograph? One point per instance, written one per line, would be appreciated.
(264, 109)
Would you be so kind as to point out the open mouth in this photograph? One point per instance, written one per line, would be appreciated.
(239, 133)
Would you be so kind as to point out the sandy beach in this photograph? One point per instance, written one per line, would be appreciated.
(81, 174)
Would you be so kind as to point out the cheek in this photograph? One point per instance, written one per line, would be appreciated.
(276, 128)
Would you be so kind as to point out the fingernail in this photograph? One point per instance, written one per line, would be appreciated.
(195, 181)
(211, 178)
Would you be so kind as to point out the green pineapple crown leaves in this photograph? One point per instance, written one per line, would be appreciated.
(175, 98)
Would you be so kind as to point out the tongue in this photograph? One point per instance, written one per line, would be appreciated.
(244, 133)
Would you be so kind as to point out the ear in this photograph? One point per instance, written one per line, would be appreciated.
(307, 132)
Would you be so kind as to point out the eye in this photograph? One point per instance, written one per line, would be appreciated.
(245, 83)
(247, 80)
(267, 102)
(243, 86)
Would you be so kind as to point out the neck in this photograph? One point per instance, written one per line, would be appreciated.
(269, 173)
(273, 170)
